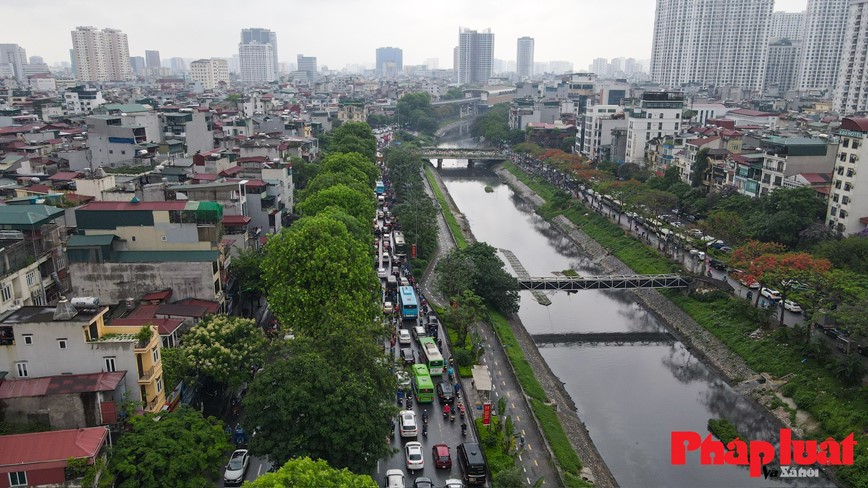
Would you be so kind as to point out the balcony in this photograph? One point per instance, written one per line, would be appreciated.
(147, 375)
(154, 405)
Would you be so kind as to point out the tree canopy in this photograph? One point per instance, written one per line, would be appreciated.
(850, 253)
(415, 110)
(346, 162)
(305, 472)
(360, 205)
(353, 137)
(224, 349)
(316, 272)
(489, 279)
(181, 449)
(318, 402)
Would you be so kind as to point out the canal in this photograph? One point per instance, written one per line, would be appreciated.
(631, 396)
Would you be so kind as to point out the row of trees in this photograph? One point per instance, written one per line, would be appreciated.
(323, 290)
(494, 126)
(412, 206)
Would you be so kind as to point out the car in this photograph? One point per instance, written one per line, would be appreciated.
(379, 214)
(700, 256)
(423, 482)
(441, 455)
(792, 306)
(404, 337)
(388, 307)
(407, 356)
(403, 379)
(770, 294)
(413, 456)
(695, 232)
(717, 264)
(407, 423)
(394, 479)
(454, 483)
(382, 273)
(405, 281)
(420, 332)
(385, 256)
(236, 468)
(742, 278)
(446, 392)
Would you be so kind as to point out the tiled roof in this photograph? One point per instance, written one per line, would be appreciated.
(61, 384)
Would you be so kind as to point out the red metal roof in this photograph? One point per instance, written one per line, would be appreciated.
(210, 305)
(164, 326)
(204, 177)
(856, 124)
(230, 171)
(183, 310)
(157, 296)
(38, 189)
(76, 198)
(46, 450)
(235, 220)
(61, 384)
(817, 177)
(143, 311)
(64, 175)
(174, 205)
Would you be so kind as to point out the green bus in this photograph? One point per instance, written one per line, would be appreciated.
(431, 356)
(422, 384)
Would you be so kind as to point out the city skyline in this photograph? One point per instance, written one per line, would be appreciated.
(418, 32)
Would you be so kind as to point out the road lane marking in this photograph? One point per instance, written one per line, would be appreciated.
(517, 418)
(525, 470)
(522, 433)
(503, 382)
(512, 404)
(529, 448)
(520, 459)
(535, 463)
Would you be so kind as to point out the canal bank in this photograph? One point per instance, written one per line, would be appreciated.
(699, 341)
(594, 467)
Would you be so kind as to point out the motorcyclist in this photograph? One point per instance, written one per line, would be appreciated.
(425, 416)
(446, 410)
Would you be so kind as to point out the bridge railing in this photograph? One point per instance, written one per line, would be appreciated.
(607, 282)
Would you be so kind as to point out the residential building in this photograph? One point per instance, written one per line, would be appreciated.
(851, 87)
(152, 59)
(128, 249)
(786, 25)
(33, 270)
(68, 401)
(656, 114)
(711, 43)
(609, 92)
(15, 57)
(848, 205)
(257, 62)
(390, 61)
(101, 55)
(705, 112)
(40, 459)
(594, 139)
(112, 141)
(194, 127)
(475, 56)
(137, 64)
(524, 58)
(789, 156)
(825, 22)
(210, 72)
(82, 99)
(744, 117)
(307, 65)
(262, 36)
(782, 66)
(49, 341)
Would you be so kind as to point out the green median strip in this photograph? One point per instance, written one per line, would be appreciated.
(451, 222)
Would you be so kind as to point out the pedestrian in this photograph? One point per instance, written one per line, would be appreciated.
(440, 344)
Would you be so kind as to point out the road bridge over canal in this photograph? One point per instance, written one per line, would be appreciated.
(472, 155)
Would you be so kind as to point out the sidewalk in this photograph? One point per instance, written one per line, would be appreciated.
(535, 457)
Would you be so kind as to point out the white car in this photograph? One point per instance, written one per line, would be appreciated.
(454, 483)
(385, 257)
(792, 306)
(388, 307)
(407, 424)
(394, 478)
(770, 294)
(413, 454)
(382, 272)
(237, 468)
(404, 337)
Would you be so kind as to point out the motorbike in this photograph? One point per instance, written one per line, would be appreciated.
(408, 402)
(424, 430)
(463, 429)
(446, 412)
(425, 417)
(452, 417)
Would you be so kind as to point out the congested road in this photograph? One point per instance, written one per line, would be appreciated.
(440, 430)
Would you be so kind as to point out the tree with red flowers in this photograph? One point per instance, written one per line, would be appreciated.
(783, 272)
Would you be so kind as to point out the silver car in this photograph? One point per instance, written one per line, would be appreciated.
(237, 468)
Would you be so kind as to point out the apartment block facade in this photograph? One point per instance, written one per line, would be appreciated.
(101, 55)
(655, 115)
(848, 203)
(851, 84)
(210, 72)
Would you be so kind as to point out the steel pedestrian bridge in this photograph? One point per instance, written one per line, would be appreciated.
(605, 282)
(470, 154)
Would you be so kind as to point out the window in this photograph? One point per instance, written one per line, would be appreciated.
(18, 478)
(163, 238)
(61, 343)
(110, 366)
(838, 184)
(845, 200)
(155, 353)
(22, 369)
(6, 292)
(134, 238)
(846, 142)
(28, 339)
(855, 144)
(159, 384)
(31, 278)
(847, 186)
(853, 158)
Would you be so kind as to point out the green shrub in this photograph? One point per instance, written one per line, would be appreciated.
(463, 357)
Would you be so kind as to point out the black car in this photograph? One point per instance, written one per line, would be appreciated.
(717, 264)
(445, 392)
(407, 356)
(423, 482)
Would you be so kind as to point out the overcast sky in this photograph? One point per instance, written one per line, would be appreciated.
(341, 32)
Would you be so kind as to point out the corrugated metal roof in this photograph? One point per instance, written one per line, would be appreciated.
(49, 449)
(61, 384)
(21, 217)
(165, 256)
(175, 205)
(78, 240)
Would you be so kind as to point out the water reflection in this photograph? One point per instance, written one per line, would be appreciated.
(630, 396)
